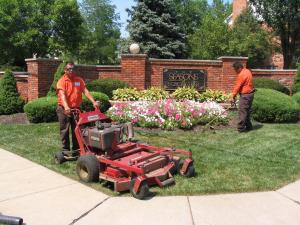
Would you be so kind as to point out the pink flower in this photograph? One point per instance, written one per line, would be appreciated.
(178, 116)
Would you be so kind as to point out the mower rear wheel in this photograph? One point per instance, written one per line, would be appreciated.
(143, 191)
(88, 168)
(59, 158)
(190, 172)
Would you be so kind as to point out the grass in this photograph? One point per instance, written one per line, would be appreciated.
(225, 161)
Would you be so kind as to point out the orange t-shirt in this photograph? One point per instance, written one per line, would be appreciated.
(244, 83)
(73, 89)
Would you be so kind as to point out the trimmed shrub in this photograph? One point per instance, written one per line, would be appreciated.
(296, 97)
(189, 93)
(126, 94)
(106, 86)
(10, 100)
(273, 106)
(296, 86)
(214, 95)
(41, 110)
(44, 109)
(154, 93)
(270, 84)
(98, 96)
(58, 74)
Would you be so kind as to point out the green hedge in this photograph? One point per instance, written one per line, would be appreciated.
(106, 86)
(41, 110)
(273, 106)
(270, 84)
(296, 86)
(44, 109)
(98, 96)
(296, 97)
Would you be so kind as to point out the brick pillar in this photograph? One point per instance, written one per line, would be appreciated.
(40, 76)
(133, 70)
(228, 73)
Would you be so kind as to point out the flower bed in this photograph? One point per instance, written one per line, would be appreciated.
(167, 114)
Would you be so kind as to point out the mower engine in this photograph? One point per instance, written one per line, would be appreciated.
(104, 135)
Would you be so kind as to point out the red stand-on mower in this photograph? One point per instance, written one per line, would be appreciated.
(128, 164)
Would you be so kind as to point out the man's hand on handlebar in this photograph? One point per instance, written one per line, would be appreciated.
(67, 111)
(96, 104)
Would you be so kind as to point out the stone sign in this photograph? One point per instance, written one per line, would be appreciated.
(174, 78)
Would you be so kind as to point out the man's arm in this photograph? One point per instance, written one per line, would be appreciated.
(239, 83)
(90, 97)
(64, 101)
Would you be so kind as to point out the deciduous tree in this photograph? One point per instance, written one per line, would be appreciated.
(283, 16)
(102, 32)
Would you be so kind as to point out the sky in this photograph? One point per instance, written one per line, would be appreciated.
(121, 6)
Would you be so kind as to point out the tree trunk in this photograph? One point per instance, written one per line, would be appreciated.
(286, 49)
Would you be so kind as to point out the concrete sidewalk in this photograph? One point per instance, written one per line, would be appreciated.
(43, 197)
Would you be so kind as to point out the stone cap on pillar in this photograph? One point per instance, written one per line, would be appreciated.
(42, 59)
(134, 56)
(233, 58)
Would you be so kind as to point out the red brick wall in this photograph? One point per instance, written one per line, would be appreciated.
(133, 70)
(141, 72)
(22, 86)
(41, 74)
(213, 68)
(285, 77)
(228, 73)
(113, 72)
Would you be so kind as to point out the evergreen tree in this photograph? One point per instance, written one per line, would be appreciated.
(155, 27)
(58, 74)
(10, 100)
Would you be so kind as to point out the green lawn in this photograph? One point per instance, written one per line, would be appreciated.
(225, 161)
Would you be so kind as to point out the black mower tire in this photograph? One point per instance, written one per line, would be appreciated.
(59, 158)
(88, 168)
(174, 170)
(143, 191)
(190, 172)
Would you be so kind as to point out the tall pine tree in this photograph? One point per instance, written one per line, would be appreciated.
(155, 27)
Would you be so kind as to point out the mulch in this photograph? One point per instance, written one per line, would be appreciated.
(18, 118)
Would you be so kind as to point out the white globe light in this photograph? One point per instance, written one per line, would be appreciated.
(134, 48)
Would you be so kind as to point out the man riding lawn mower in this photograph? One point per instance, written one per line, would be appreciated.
(108, 153)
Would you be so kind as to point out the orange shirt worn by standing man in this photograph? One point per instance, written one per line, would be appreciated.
(243, 87)
(69, 89)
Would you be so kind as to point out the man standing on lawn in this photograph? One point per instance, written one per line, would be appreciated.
(69, 90)
(244, 87)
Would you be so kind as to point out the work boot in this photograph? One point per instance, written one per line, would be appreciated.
(75, 153)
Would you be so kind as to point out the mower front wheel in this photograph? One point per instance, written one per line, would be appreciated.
(88, 168)
(190, 171)
(143, 191)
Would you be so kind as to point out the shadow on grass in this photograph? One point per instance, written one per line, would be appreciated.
(257, 126)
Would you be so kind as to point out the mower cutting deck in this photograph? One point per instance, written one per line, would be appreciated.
(127, 164)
